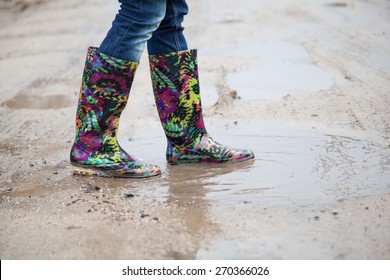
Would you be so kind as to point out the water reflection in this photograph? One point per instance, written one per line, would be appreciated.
(292, 165)
(188, 189)
(282, 69)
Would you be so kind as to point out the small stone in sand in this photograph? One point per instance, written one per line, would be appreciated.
(144, 215)
(128, 194)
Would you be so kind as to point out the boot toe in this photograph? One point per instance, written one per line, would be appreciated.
(244, 155)
(142, 171)
(152, 170)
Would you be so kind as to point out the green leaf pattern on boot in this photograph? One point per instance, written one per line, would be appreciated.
(177, 94)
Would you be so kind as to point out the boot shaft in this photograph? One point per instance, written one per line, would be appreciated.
(176, 90)
(103, 95)
(104, 92)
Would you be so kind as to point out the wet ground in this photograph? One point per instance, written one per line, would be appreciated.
(39, 102)
(293, 165)
(282, 69)
(315, 112)
(303, 181)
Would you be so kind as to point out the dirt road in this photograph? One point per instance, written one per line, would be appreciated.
(305, 85)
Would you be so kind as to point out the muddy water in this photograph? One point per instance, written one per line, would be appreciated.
(295, 168)
(280, 69)
(39, 102)
(292, 165)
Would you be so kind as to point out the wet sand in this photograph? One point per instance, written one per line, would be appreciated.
(305, 85)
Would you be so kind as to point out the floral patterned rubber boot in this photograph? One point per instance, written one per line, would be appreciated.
(103, 96)
(176, 91)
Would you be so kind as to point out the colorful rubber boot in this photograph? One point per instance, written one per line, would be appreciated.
(103, 96)
(177, 95)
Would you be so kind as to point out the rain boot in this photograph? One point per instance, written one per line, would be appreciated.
(103, 96)
(177, 95)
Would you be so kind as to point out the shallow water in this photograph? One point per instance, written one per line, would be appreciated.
(39, 102)
(295, 168)
(282, 69)
(292, 165)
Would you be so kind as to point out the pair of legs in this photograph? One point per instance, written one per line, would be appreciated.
(157, 22)
(108, 75)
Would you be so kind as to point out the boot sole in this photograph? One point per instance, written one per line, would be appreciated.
(208, 160)
(82, 170)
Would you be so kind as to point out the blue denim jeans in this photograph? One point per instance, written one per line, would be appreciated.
(157, 22)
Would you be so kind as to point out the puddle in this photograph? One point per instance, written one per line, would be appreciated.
(209, 95)
(351, 5)
(285, 68)
(227, 18)
(293, 165)
(40, 102)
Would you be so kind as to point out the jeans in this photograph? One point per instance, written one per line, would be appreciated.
(157, 22)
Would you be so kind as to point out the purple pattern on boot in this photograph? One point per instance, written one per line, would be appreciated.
(103, 96)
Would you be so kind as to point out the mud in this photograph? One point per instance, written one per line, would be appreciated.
(288, 80)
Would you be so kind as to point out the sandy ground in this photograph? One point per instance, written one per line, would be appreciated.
(305, 84)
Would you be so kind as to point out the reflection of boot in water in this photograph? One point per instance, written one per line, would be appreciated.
(177, 94)
(192, 178)
(188, 188)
